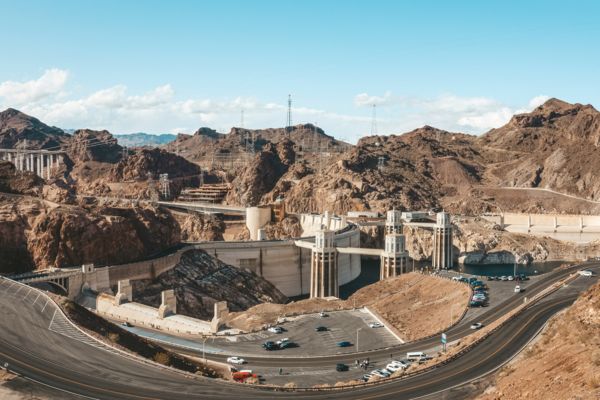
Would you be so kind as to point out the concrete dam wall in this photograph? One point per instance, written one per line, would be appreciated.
(280, 262)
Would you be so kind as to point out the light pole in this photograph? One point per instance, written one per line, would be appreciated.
(358, 330)
(204, 339)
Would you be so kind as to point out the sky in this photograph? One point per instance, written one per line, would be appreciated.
(174, 66)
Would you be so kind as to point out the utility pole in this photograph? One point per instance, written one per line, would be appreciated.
(289, 115)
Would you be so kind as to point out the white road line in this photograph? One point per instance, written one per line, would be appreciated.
(28, 292)
(12, 283)
(38, 296)
(53, 315)
(21, 287)
(45, 305)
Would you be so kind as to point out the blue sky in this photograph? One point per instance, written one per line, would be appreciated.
(175, 66)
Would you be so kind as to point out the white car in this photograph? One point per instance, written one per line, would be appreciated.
(235, 360)
(393, 367)
(586, 272)
(281, 341)
(322, 314)
(457, 278)
(477, 325)
(375, 325)
(510, 277)
(275, 329)
(517, 289)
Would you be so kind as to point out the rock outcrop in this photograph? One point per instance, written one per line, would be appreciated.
(200, 281)
(90, 145)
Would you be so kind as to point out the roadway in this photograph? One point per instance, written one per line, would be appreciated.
(34, 346)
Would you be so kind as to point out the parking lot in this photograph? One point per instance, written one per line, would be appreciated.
(341, 326)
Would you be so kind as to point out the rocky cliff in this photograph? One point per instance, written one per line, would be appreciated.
(200, 281)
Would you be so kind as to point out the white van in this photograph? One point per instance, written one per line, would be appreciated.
(415, 356)
(586, 272)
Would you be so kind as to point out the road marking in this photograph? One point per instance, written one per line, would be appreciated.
(51, 321)
(45, 305)
(38, 296)
(19, 289)
(28, 293)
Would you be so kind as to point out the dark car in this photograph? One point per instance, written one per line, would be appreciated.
(475, 303)
(321, 328)
(341, 367)
(285, 345)
(270, 345)
(344, 344)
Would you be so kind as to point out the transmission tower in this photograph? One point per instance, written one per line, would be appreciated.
(289, 115)
(164, 186)
(374, 120)
(381, 163)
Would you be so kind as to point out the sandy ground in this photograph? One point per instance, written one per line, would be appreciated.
(400, 301)
(563, 364)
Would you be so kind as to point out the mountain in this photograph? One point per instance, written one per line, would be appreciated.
(206, 142)
(555, 147)
(140, 139)
(16, 127)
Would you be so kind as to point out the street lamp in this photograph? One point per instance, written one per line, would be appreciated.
(204, 339)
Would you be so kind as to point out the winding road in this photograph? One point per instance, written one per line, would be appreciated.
(39, 344)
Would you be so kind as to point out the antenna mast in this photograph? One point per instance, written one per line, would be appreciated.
(374, 120)
(289, 114)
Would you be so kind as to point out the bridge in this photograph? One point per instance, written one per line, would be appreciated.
(42, 162)
(70, 281)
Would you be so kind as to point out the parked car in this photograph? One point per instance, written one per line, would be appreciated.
(126, 324)
(381, 373)
(457, 278)
(284, 340)
(275, 329)
(415, 355)
(394, 367)
(241, 376)
(321, 328)
(343, 344)
(375, 325)
(491, 278)
(341, 367)
(476, 303)
(503, 278)
(235, 360)
(511, 278)
(366, 377)
(322, 314)
(477, 325)
(586, 272)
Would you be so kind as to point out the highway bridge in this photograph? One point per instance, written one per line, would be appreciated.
(38, 342)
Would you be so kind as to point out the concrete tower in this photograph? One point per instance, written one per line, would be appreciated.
(323, 266)
(442, 242)
(393, 222)
(394, 259)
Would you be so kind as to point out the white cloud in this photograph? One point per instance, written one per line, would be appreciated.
(364, 99)
(50, 83)
(538, 101)
(158, 110)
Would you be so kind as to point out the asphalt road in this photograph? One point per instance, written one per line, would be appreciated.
(38, 346)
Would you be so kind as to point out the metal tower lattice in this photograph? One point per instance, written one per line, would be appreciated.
(289, 115)
(164, 183)
(374, 120)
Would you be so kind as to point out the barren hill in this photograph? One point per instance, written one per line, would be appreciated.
(16, 127)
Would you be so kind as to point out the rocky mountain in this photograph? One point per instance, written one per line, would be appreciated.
(141, 139)
(17, 127)
(154, 162)
(89, 145)
(539, 149)
(200, 281)
(206, 142)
